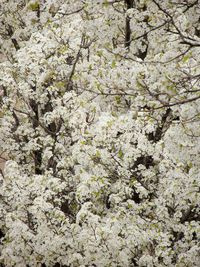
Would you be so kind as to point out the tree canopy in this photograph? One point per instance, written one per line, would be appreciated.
(100, 133)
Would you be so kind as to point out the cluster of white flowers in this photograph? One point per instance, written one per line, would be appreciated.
(99, 124)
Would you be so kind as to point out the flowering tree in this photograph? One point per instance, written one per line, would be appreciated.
(100, 111)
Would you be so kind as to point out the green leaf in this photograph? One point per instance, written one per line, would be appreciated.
(114, 64)
(185, 58)
(96, 194)
(60, 84)
(34, 7)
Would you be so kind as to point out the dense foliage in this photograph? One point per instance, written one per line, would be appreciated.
(100, 131)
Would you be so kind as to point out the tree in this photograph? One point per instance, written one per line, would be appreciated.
(100, 111)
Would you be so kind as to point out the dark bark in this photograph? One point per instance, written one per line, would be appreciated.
(37, 155)
(157, 135)
(129, 4)
(147, 161)
(10, 34)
